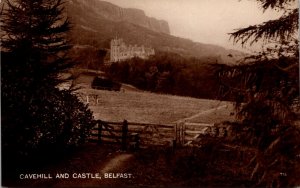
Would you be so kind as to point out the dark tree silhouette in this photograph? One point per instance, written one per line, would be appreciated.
(37, 118)
(35, 31)
(266, 90)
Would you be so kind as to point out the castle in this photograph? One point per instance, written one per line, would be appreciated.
(119, 51)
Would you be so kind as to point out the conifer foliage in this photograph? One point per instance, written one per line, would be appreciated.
(266, 90)
(36, 115)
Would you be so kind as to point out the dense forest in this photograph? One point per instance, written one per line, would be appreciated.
(170, 73)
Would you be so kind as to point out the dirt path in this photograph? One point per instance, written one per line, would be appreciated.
(115, 163)
(202, 113)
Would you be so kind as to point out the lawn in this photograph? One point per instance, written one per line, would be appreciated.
(146, 107)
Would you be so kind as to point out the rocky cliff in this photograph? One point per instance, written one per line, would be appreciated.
(108, 11)
(96, 22)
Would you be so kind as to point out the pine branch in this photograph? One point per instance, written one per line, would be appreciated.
(280, 4)
(281, 29)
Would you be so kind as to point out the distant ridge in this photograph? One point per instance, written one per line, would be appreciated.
(96, 22)
(109, 11)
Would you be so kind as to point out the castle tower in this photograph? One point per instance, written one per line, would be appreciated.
(119, 51)
(115, 45)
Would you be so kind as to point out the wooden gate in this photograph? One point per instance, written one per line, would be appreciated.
(104, 130)
(145, 134)
(193, 131)
(127, 133)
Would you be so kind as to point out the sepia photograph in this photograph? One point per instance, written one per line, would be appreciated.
(150, 93)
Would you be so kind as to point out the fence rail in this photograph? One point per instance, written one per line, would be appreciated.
(132, 134)
(128, 134)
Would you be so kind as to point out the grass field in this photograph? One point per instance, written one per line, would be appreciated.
(145, 107)
(136, 106)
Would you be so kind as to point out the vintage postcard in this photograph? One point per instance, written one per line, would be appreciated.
(148, 93)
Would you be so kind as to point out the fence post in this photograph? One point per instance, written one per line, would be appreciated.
(174, 146)
(178, 140)
(96, 98)
(175, 134)
(124, 135)
(183, 134)
(99, 131)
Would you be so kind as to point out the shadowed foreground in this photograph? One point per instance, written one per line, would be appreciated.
(153, 166)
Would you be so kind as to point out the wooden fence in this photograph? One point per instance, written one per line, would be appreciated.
(134, 135)
(193, 131)
(129, 134)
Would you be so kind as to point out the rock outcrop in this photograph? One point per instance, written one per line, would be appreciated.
(96, 23)
(108, 11)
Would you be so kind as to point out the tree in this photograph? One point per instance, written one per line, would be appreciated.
(266, 91)
(38, 36)
(36, 115)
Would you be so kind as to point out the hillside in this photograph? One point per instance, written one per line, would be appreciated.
(153, 108)
(96, 22)
(105, 10)
(140, 106)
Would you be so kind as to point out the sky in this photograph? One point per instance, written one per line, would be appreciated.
(205, 21)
